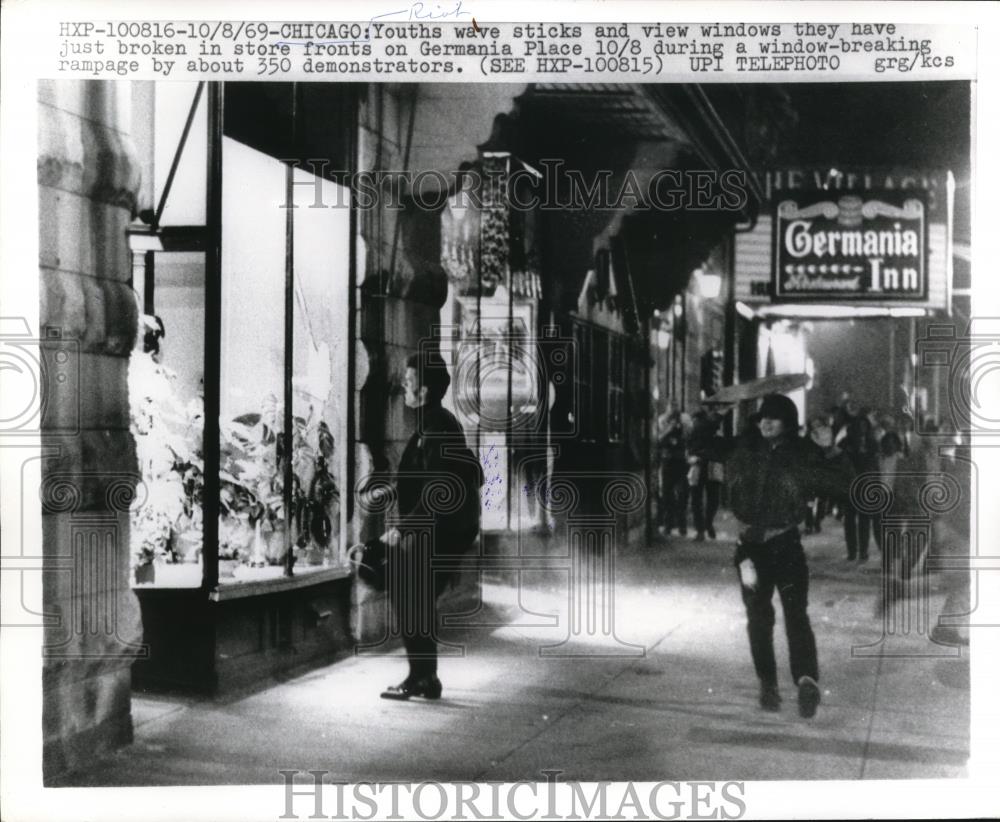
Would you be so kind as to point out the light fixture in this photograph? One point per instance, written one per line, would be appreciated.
(709, 285)
(662, 339)
(832, 312)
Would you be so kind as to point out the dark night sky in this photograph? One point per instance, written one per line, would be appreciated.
(915, 125)
(902, 125)
(909, 125)
(925, 125)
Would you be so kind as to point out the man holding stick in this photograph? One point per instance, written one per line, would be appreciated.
(771, 480)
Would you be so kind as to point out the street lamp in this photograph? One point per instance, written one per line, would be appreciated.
(709, 285)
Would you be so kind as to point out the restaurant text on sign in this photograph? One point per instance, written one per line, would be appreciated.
(870, 247)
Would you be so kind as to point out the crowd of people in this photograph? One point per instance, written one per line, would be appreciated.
(687, 474)
(867, 441)
(780, 475)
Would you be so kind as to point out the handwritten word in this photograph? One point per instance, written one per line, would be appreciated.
(492, 492)
(418, 11)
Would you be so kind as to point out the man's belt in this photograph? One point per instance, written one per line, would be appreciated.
(755, 535)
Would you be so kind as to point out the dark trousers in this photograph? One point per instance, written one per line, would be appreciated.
(414, 588)
(705, 504)
(674, 485)
(781, 564)
(815, 512)
(857, 528)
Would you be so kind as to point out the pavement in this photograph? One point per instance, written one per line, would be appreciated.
(665, 693)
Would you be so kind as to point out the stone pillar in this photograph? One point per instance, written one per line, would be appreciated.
(87, 183)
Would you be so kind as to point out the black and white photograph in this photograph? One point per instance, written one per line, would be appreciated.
(382, 437)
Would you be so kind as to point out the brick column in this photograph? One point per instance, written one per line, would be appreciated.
(87, 181)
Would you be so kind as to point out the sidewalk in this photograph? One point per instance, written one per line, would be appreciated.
(685, 709)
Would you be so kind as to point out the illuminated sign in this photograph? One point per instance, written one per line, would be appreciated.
(869, 246)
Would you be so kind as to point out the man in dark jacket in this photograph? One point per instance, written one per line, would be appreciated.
(437, 494)
(771, 480)
(673, 476)
(861, 448)
(704, 473)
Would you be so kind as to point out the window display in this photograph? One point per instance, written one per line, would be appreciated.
(166, 423)
(284, 275)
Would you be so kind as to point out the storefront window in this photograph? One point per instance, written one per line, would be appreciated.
(165, 392)
(280, 317)
(252, 516)
(166, 386)
(616, 388)
(584, 355)
(321, 263)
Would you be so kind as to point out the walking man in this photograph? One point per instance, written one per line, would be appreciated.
(673, 476)
(772, 479)
(705, 475)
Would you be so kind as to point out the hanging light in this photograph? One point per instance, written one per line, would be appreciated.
(709, 285)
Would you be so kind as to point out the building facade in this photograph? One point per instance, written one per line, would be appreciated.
(244, 270)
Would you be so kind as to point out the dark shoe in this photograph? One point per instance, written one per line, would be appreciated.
(427, 687)
(699, 537)
(808, 696)
(711, 532)
(683, 532)
(770, 699)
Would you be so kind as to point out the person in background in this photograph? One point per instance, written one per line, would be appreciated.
(705, 475)
(844, 414)
(672, 446)
(890, 451)
(771, 478)
(820, 435)
(431, 454)
(862, 450)
(840, 415)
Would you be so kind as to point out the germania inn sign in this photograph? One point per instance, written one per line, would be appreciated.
(869, 246)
